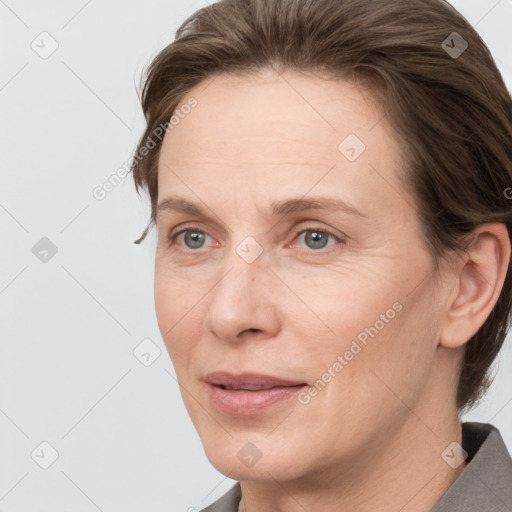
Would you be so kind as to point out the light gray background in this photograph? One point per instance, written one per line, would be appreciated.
(69, 326)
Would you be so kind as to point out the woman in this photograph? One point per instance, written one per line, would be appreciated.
(333, 272)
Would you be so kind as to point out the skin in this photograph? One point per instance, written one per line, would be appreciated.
(372, 438)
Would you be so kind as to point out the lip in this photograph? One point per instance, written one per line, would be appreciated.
(249, 403)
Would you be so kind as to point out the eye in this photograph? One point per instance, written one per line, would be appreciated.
(315, 238)
(191, 238)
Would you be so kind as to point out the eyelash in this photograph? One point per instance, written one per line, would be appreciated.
(172, 236)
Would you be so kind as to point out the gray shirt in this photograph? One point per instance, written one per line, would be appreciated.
(484, 485)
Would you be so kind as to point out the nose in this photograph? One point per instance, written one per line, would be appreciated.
(243, 303)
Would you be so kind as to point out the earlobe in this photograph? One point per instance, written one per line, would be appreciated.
(480, 281)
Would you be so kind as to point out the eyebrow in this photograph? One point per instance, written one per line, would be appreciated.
(294, 205)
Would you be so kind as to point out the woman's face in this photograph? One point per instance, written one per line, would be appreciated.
(264, 273)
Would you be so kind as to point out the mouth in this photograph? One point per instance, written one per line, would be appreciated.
(248, 388)
(249, 394)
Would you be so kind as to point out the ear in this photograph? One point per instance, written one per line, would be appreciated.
(479, 279)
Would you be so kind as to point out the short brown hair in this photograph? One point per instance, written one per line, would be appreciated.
(452, 113)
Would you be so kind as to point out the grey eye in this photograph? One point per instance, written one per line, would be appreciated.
(194, 239)
(315, 239)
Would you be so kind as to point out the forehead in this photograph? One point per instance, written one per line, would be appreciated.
(291, 108)
(285, 130)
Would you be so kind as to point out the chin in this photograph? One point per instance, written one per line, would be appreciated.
(257, 459)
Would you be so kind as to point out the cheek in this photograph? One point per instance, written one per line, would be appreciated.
(174, 300)
(356, 322)
(339, 307)
(385, 364)
(175, 293)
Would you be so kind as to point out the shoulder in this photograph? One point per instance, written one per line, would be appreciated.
(228, 502)
(486, 482)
